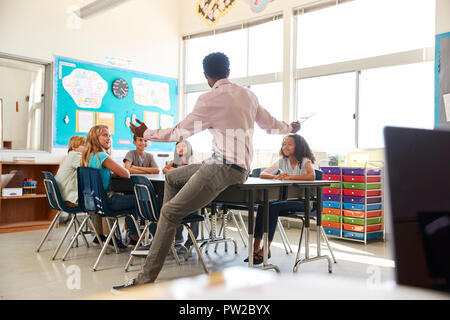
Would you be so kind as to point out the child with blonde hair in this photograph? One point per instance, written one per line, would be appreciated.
(97, 154)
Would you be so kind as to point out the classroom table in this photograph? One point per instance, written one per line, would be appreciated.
(256, 190)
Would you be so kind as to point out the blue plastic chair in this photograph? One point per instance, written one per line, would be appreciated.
(149, 211)
(56, 202)
(92, 198)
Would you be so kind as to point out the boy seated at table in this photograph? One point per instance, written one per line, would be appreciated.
(138, 161)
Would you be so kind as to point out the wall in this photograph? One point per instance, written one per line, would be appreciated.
(146, 32)
(442, 16)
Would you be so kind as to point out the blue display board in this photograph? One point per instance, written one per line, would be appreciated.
(83, 96)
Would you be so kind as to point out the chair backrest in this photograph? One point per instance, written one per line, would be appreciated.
(256, 172)
(91, 194)
(319, 174)
(148, 205)
(54, 198)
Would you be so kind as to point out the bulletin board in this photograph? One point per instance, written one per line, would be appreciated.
(83, 97)
(442, 81)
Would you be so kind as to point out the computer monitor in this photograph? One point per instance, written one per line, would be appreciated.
(418, 174)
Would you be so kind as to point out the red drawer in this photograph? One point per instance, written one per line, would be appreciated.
(361, 193)
(350, 178)
(360, 214)
(331, 211)
(332, 177)
(353, 227)
(331, 191)
(329, 224)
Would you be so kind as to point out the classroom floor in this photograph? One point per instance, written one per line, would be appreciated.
(25, 274)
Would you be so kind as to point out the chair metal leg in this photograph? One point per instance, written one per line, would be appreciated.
(241, 220)
(136, 246)
(82, 233)
(50, 228)
(80, 230)
(113, 236)
(91, 224)
(324, 235)
(238, 228)
(64, 236)
(108, 239)
(199, 252)
(284, 237)
(175, 254)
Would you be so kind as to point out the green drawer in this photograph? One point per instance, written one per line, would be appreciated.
(353, 185)
(373, 186)
(361, 186)
(360, 221)
(331, 218)
(335, 185)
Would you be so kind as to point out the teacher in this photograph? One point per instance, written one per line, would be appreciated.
(229, 112)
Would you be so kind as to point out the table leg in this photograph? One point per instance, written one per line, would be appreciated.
(266, 234)
(251, 213)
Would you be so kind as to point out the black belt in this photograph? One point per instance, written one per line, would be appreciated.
(231, 165)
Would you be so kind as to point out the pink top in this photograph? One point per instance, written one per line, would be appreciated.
(229, 112)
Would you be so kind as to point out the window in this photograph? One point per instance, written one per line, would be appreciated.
(255, 50)
(329, 101)
(397, 96)
(360, 67)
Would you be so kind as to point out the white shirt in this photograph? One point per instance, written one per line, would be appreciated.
(66, 177)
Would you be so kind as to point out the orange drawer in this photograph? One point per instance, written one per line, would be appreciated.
(329, 224)
(331, 211)
(360, 214)
(354, 227)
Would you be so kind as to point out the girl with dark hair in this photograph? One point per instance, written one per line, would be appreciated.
(295, 164)
(182, 155)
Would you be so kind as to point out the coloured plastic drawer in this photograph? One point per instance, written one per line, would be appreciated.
(331, 191)
(354, 227)
(331, 218)
(357, 206)
(372, 186)
(332, 232)
(360, 214)
(331, 197)
(360, 171)
(350, 178)
(360, 235)
(330, 224)
(353, 171)
(336, 185)
(361, 193)
(353, 185)
(331, 211)
(331, 170)
(348, 199)
(360, 221)
(332, 177)
(373, 199)
(332, 204)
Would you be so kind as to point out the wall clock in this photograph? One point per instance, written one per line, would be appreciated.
(120, 88)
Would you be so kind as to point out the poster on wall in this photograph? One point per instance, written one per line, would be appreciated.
(86, 94)
(212, 10)
(258, 5)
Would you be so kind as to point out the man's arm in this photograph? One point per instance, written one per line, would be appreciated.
(272, 126)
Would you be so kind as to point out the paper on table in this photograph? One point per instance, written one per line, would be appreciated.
(447, 106)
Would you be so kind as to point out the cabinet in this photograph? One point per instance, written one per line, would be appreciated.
(29, 211)
(353, 206)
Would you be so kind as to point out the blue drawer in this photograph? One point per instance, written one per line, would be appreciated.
(360, 235)
(332, 232)
(332, 204)
(360, 207)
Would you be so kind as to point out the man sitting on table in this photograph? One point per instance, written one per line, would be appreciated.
(229, 111)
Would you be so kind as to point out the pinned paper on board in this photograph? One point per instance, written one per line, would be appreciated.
(258, 5)
(85, 120)
(151, 93)
(446, 98)
(87, 88)
(151, 119)
(107, 119)
(166, 121)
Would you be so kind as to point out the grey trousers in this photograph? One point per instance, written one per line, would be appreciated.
(186, 190)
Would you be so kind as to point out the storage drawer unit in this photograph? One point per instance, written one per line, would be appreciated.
(359, 208)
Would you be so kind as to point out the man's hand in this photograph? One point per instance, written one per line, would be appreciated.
(295, 126)
(138, 131)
